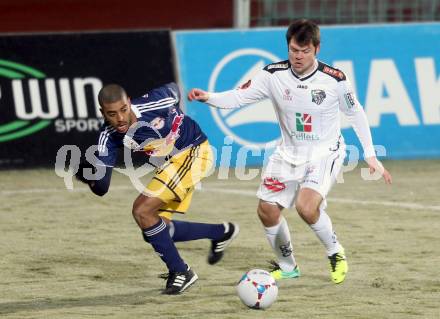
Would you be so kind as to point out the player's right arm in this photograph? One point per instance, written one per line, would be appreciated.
(96, 171)
(252, 91)
(86, 172)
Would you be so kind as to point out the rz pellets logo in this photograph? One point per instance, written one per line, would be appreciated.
(19, 128)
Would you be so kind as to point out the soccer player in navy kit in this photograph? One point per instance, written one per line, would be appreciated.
(308, 97)
(177, 147)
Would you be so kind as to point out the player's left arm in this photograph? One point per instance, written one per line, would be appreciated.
(350, 106)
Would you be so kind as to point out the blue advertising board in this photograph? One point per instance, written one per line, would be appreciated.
(394, 70)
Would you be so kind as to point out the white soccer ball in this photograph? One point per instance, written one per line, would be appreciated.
(257, 289)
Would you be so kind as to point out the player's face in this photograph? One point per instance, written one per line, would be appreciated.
(302, 57)
(118, 114)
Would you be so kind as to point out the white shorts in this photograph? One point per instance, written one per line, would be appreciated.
(281, 180)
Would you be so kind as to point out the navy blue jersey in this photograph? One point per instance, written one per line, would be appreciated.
(161, 129)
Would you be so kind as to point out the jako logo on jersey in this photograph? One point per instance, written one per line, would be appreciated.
(303, 122)
(318, 96)
(255, 125)
(40, 101)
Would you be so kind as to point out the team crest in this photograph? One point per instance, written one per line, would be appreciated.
(318, 96)
(158, 123)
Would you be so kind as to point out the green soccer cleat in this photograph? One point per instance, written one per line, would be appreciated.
(277, 273)
(338, 266)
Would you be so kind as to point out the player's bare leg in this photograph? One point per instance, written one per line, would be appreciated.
(269, 213)
(308, 205)
(278, 235)
(146, 210)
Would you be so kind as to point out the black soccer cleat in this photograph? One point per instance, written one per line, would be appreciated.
(218, 246)
(178, 282)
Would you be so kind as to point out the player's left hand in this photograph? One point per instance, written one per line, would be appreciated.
(375, 165)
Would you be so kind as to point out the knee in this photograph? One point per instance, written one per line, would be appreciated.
(269, 214)
(142, 209)
(307, 210)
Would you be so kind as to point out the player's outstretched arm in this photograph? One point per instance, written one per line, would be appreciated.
(99, 187)
(375, 165)
(198, 95)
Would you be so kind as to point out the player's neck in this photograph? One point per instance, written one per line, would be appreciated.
(133, 118)
(307, 72)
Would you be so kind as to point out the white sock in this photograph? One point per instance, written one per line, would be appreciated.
(279, 240)
(324, 230)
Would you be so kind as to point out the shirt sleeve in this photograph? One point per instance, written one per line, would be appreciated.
(252, 91)
(107, 149)
(350, 106)
(100, 187)
(173, 91)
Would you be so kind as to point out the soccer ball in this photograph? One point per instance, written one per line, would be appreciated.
(257, 289)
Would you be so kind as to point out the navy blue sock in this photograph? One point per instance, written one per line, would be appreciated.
(186, 231)
(159, 237)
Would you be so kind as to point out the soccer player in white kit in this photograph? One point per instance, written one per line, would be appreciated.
(307, 96)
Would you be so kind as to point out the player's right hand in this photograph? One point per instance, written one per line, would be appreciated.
(81, 173)
(198, 95)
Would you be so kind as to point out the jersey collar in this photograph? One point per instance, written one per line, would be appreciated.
(308, 75)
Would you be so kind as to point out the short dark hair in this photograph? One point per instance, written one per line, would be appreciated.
(111, 93)
(303, 31)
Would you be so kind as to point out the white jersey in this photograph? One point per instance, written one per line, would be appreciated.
(307, 109)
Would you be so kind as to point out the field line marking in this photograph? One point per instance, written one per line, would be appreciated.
(247, 193)
(55, 190)
(335, 199)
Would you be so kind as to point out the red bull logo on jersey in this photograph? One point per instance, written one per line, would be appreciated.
(164, 146)
(175, 128)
